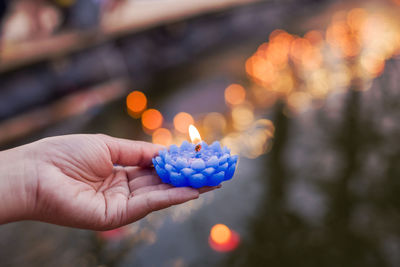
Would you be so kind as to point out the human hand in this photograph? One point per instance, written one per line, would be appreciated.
(74, 182)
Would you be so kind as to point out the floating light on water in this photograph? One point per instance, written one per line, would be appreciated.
(223, 239)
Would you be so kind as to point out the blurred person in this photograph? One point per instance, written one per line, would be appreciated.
(30, 19)
(85, 181)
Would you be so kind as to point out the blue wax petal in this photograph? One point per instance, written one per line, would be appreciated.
(168, 159)
(223, 167)
(162, 153)
(216, 147)
(186, 145)
(159, 161)
(226, 150)
(204, 145)
(198, 165)
(208, 172)
(164, 175)
(177, 179)
(229, 173)
(187, 172)
(197, 180)
(223, 159)
(213, 162)
(173, 149)
(216, 179)
(181, 163)
(233, 159)
(154, 161)
(169, 168)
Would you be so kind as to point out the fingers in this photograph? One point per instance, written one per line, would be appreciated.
(206, 189)
(141, 205)
(130, 153)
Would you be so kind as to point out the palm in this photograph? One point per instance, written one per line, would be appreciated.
(78, 184)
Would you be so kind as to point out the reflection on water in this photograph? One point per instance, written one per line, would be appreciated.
(332, 174)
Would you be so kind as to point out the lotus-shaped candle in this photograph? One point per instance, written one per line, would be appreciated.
(195, 165)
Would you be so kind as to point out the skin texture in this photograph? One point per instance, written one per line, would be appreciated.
(80, 181)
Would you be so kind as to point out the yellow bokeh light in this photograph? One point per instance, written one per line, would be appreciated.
(162, 136)
(220, 234)
(242, 116)
(299, 101)
(182, 121)
(235, 94)
(152, 119)
(214, 122)
(136, 102)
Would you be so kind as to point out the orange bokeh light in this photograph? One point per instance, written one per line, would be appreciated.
(223, 239)
(162, 136)
(136, 102)
(235, 94)
(220, 233)
(152, 119)
(182, 120)
(314, 37)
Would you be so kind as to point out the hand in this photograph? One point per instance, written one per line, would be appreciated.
(75, 182)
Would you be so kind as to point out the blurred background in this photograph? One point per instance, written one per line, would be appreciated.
(307, 92)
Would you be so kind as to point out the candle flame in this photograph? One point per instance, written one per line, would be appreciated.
(194, 134)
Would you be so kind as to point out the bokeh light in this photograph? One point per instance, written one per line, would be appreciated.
(242, 116)
(182, 120)
(220, 233)
(300, 71)
(235, 94)
(152, 119)
(162, 136)
(136, 102)
(214, 125)
(223, 239)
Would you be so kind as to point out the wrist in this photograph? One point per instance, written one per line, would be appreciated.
(17, 184)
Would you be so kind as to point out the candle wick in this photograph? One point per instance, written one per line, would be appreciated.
(197, 148)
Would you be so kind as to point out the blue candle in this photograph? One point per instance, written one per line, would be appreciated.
(195, 165)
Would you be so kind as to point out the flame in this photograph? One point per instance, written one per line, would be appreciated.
(194, 134)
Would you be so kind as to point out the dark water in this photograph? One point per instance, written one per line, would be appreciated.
(326, 194)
